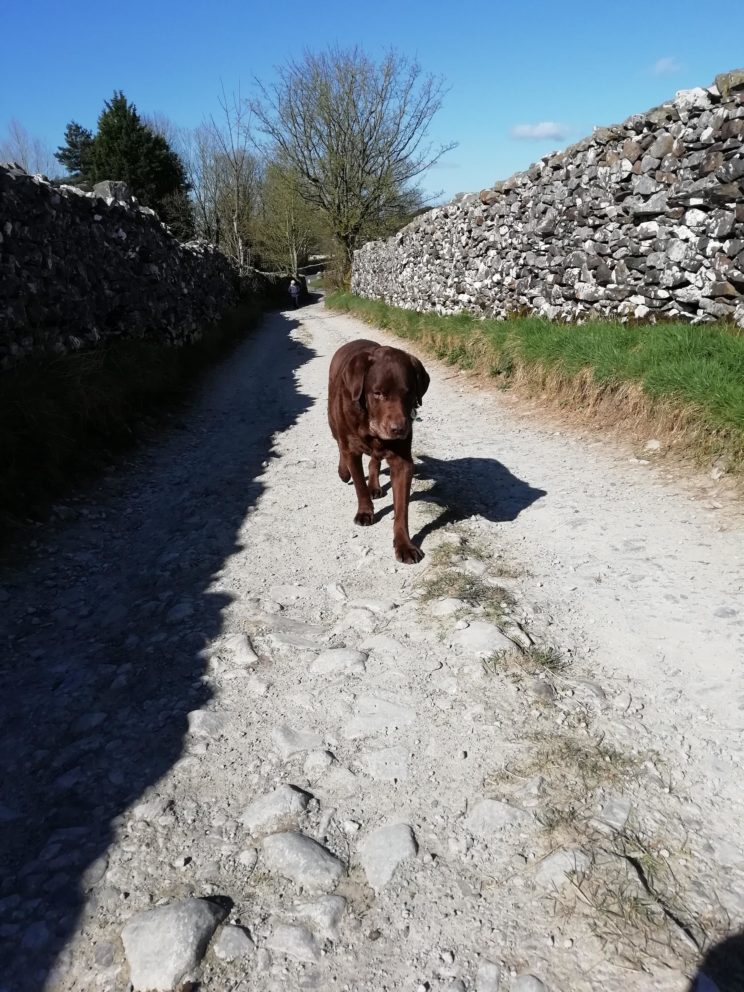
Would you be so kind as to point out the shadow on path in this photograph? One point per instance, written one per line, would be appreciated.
(722, 969)
(100, 634)
(472, 486)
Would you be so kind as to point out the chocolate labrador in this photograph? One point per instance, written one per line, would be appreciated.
(372, 393)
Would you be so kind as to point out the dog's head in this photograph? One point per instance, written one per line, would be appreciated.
(389, 384)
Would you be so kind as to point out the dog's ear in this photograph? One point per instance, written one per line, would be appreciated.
(355, 374)
(422, 380)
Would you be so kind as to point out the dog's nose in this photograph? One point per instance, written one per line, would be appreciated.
(400, 429)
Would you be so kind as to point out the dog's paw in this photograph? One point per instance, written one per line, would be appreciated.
(376, 493)
(408, 554)
(364, 519)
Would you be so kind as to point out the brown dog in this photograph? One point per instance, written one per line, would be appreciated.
(372, 393)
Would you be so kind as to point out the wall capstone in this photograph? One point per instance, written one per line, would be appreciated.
(644, 220)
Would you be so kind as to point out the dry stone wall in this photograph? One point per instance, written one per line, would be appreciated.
(80, 268)
(641, 220)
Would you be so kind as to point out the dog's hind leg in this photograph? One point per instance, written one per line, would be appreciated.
(343, 469)
(374, 478)
(365, 515)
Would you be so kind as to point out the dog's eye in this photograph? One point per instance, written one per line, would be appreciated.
(377, 394)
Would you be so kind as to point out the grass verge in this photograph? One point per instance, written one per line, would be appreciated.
(62, 418)
(673, 382)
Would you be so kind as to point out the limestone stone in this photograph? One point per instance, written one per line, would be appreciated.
(293, 942)
(324, 915)
(163, 946)
(556, 869)
(335, 660)
(489, 816)
(233, 943)
(481, 638)
(303, 861)
(383, 850)
(277, 809)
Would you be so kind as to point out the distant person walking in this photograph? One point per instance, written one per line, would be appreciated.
(294, 292)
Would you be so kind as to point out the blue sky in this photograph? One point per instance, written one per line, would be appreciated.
(510, 67)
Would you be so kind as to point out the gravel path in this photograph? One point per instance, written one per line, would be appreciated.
(242, 744)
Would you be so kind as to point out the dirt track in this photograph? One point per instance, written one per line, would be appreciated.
(135, 733)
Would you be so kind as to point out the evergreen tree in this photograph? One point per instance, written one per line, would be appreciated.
(75, 152)
(126, 149)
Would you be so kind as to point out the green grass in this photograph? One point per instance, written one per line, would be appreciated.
(686, 382)
(63, 418)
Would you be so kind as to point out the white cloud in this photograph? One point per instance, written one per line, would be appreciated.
(545, 130)
(666, 66)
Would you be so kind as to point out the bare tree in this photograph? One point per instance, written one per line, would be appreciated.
(237, 171)
(161, 124)
(198, 150)
(31, 153)
(355, 132)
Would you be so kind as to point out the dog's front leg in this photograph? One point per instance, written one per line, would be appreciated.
(401, 472)
(365, 515)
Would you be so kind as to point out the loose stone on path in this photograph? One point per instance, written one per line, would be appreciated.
(233, 943)
(383, 850)
(277, 809)
(303, 861)
(164, 945)
(205, 723)
(488, 978)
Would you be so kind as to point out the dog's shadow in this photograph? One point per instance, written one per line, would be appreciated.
(722, 968)
(466, 487)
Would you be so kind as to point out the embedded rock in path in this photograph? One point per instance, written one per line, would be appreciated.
(303, 861)
(238, 648)
(275, 810)
(527, 983)
(386, 763)
(233, 943)
(289, 741)
(294, 942)
(163, 946)
(339, 660)
(382, 851)
(490, 815)
(555, 870)
(374, 715)
(481, 638)
(488, 978)
(205, 723)
(324, 915)
(285, 595)
(359, 619)
(614, 814)
(447, 606)
(295, 633)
